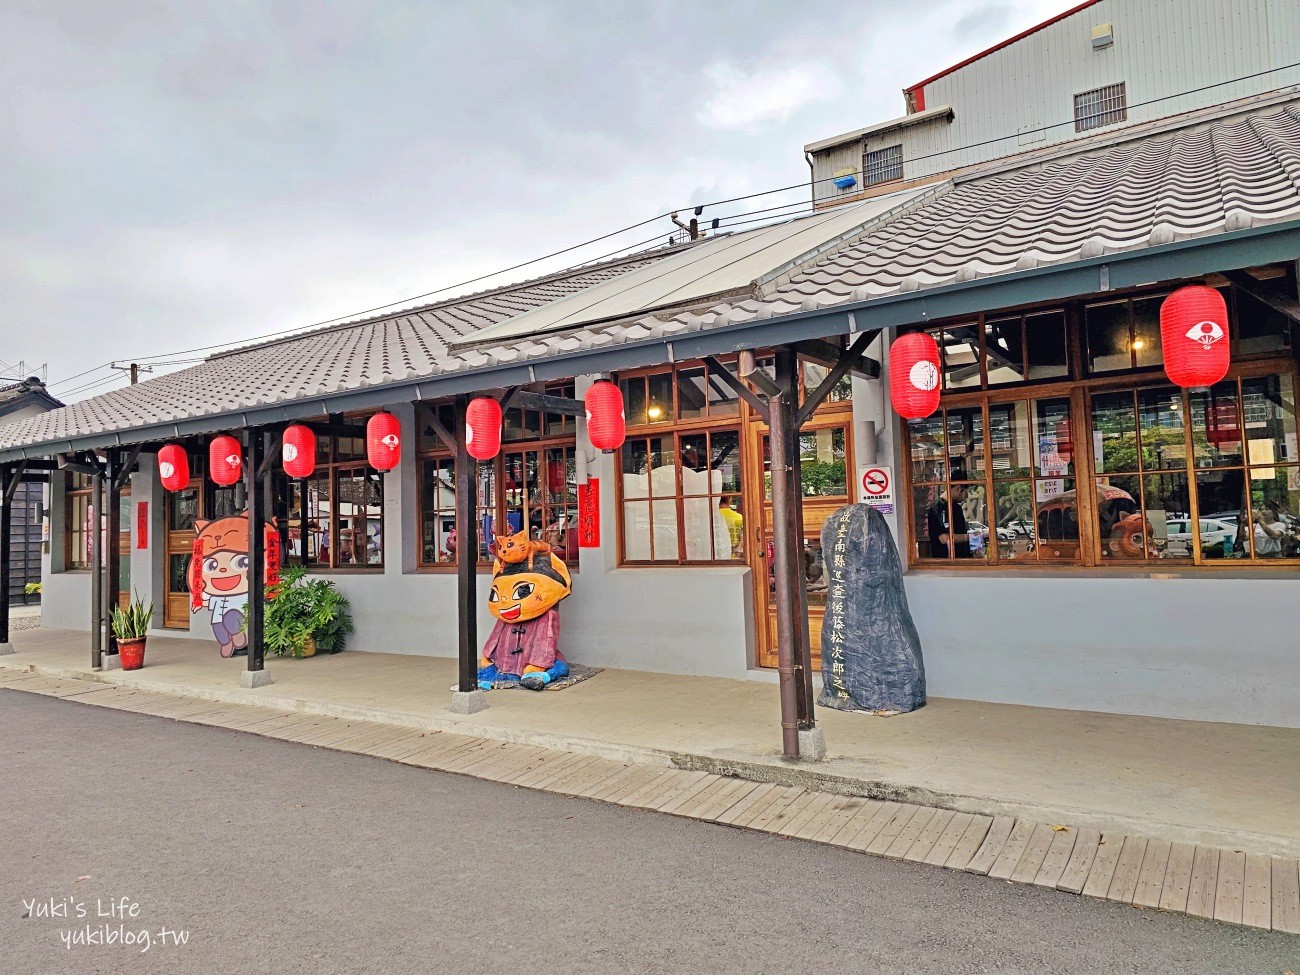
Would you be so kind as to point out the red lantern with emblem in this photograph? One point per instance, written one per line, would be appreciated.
(483, 428)
(225, 460)
(383, 441)
(606, 420)
(298, 451)
(914, 375)
(1194, 336)
(1064, 440)
(174, 467)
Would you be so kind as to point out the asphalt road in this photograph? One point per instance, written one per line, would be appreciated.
(275, 858)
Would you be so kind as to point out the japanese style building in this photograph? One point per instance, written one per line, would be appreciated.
(1035, 241)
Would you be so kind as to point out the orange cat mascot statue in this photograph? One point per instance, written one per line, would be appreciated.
(528, 582)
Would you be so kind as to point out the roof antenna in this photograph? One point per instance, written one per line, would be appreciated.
(692, 228)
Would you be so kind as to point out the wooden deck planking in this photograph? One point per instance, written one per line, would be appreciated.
(1077, 868)
(1040, 841)
(1256, 911)
(806, 812)
(1058, 855)
(693, 795)
(759, 795)
(575, 780)
(687, 782)
(771, 810)
(1229, 894)
(947, 841)
(778, 823)
(812, 825)
(1178, 878)
(910, 833)
(994, 840)
(929, 836)
(889, 832)
(651, 785)
(746, 812)
(1205, 880)
(559, 770)
(971, 842)
(1124, 884)
(1151, 877)
(1109, 848)
(725, 799)
(1286, 895)
(847, 810)
(864, 824)
(1013, 850)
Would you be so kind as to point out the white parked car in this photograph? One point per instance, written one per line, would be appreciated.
(1214, 532)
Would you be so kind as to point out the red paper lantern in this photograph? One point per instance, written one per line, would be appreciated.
(483, 428)
(1194, 336)
(383, 441)
(298, 451)
(225, 460)
(1064, 440)
(914, 375)
(606, 420)
(174, 467)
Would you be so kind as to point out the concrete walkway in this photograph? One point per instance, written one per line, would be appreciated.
(1230, 786)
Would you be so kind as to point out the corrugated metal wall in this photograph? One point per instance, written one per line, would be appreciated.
(1161, 47)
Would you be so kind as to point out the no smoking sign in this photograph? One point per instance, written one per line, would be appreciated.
(877, 487)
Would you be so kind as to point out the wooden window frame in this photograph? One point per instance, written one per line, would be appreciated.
(430, 449)
(332, 470)
(71, 495)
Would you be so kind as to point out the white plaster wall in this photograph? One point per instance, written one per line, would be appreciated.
(1206, 649)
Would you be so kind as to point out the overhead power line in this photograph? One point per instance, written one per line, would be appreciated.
(731, 220)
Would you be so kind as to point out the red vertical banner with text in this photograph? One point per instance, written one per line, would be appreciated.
(142, 524)
(589, 513)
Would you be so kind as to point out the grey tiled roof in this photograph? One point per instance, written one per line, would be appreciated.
(1231, 175)
(357, 354)
(1139, 191)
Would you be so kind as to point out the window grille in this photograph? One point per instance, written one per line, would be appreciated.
(1101, 106)
(882, 165)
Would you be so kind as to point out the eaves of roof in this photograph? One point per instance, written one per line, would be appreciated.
(939, 113)
(1188, 258)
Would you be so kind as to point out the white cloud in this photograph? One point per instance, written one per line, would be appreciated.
(741, 99)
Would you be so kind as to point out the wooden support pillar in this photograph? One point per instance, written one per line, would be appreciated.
(256, 549)
(787, 378)
(9, 479)
(96, 571)
(113, 544)
(784, 574)
(466, 554)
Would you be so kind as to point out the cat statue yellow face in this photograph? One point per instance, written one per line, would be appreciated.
(527, 579)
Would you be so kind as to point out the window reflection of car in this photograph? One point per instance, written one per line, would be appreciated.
(1215, 532)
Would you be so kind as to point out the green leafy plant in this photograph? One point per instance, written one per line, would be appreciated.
(133, 622)
(303, 610)
(32, 589)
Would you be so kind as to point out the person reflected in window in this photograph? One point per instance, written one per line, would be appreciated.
(936, 521)
(735, 522)
(1270, 530)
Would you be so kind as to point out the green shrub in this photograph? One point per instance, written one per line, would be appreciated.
(304, 609)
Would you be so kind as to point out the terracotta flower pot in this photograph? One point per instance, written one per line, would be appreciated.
(309, 648)
(131, 653)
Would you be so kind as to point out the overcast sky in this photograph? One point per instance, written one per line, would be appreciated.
(181, 174)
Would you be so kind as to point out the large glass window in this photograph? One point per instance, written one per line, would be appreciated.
(1112, 470)
(336, 517)
(532, 483)
(681, 497)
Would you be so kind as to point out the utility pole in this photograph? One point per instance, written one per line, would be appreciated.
(134, 368)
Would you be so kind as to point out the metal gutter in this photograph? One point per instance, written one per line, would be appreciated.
(1125, 269)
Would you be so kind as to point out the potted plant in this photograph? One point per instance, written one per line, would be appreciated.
(131, 627)
(305, 615)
